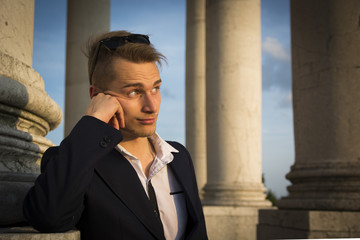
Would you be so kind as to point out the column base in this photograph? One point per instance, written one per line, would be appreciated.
(225, 222)
(13, 189)
(280, 224)
(324, 184)
(241, 195)
(28, 233)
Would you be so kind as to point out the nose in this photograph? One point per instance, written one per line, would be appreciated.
(150, 103)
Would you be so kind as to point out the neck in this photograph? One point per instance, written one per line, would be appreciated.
(142, 149)
(135, 145)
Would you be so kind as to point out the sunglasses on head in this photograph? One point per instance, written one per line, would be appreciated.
(113, 43)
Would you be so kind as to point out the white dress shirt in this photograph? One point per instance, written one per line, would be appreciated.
(169, 194)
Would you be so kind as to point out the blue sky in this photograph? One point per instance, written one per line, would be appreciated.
(165, 22)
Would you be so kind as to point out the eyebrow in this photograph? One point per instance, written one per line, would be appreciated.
(139, 84)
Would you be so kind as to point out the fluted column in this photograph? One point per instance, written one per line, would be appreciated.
(326, 96)
(85, 18)
(27, 113)
(196, 87)
(233, 75)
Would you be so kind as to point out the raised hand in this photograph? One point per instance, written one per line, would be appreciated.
(107, 109)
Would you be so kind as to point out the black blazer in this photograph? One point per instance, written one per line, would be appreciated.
(86, 183)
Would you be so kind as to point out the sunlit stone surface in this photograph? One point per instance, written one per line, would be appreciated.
(27, 113)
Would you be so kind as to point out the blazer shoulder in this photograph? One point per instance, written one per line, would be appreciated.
(183, 152)
(47, 156)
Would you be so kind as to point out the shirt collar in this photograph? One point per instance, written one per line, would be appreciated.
(162, 148)
(125, 152)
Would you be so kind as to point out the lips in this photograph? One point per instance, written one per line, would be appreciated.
(147, 121)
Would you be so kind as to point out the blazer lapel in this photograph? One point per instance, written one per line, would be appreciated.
(180, 167)
(121, 177)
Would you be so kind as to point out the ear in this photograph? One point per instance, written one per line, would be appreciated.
(94, 91)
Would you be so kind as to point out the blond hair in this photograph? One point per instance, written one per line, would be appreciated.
(101, 68)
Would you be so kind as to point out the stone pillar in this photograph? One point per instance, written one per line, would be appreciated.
(196, 87)
(326, 86)
(17, 29)
(27, 113)
(234, 190)
(86, 18)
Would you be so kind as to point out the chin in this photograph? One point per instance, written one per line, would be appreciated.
(141, 132)
(144, 134)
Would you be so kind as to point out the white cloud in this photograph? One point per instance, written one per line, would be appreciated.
(275, 49)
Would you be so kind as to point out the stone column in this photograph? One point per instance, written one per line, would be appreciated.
(196, 87)
(326, 96)
(27, 113)
(234, 190)
(86, 18)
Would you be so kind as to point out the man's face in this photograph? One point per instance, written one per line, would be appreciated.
(137, 87)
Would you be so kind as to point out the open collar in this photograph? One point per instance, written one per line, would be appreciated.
(117, 173)
(115, 169)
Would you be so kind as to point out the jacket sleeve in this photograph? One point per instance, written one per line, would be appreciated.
(56, 201)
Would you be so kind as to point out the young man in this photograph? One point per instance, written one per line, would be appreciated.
(113, 177)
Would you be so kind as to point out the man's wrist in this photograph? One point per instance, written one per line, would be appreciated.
(98, 116)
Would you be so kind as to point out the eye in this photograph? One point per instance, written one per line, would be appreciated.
(155, 89)
(133, 93)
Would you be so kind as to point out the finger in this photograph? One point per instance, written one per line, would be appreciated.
(111, 93)
(114, 122)
(103, 107)
(120, 116)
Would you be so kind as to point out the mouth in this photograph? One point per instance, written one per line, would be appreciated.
(147, 121)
